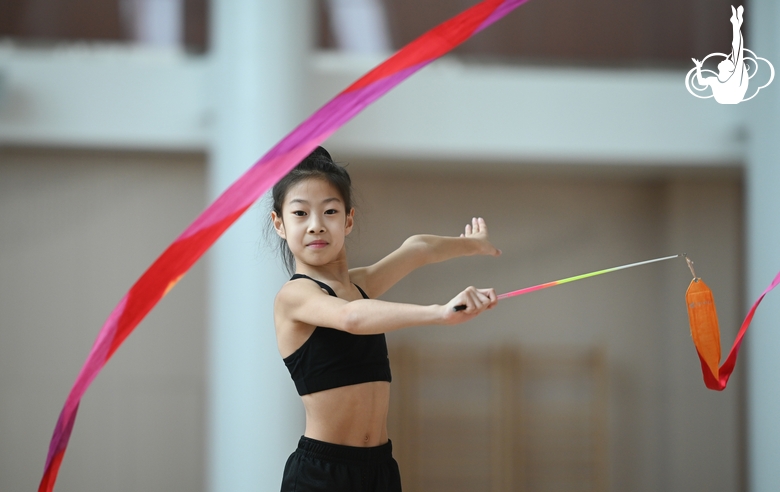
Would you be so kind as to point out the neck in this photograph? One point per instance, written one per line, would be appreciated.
(335, 271)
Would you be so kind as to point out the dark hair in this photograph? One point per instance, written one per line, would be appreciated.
(319, 165)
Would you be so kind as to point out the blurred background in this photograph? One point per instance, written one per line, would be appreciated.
(566, 125)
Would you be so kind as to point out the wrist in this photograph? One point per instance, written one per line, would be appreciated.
(477, 246)
(439, 313)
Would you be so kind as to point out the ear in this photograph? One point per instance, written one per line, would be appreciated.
(350, 221)
(278, 225)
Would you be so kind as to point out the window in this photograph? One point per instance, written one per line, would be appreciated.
(152, 22)
(611, 32)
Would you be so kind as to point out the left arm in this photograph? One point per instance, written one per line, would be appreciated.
(422, 250)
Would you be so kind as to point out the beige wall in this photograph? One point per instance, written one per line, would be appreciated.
(76, 230)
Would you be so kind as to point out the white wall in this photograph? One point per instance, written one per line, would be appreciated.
(763, 256)
(129, 98)
(77, 228)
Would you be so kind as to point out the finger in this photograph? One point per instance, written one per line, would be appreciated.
(488, 297)
(484, 303)
(474, 299)
(474, 225)
(484, 297)
(493, 298)
(489, 293)
(479, 302)
(468, 230)
(469, 303)
(483, 300)
(482, 225)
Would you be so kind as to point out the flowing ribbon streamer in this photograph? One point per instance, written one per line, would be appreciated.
(706, 334)
(174, 262)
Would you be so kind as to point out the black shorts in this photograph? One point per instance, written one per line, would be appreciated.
(318, 466)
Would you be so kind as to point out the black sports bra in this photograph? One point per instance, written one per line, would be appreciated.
(332, 358)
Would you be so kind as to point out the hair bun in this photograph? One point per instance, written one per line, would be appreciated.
(321, 152)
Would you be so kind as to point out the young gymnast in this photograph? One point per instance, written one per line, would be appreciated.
(330, 327)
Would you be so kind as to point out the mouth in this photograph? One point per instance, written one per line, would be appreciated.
(317, 244)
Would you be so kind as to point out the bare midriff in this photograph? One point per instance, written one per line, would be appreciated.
(353, 415)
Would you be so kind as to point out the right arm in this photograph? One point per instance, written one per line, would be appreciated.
(306, 303)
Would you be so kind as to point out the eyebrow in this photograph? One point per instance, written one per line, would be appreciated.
(327, 200)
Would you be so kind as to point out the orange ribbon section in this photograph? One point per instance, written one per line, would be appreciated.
(703, 319)
(706, 335)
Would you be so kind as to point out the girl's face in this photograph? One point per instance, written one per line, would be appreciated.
(314, 222)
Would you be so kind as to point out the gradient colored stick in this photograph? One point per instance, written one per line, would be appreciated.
(580, 277)
(571, 279)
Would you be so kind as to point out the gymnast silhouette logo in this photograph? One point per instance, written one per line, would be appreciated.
(730, 84)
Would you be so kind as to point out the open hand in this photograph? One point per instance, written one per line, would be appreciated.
(478, 230)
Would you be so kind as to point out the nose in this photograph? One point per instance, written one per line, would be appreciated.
(316, 225)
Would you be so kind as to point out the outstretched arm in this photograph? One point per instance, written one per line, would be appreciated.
(422, 250)
(304, 303)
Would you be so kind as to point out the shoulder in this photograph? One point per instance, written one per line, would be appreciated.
(296, 292)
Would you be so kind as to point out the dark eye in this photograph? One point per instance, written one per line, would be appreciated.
(299, 213)
(331, 211)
